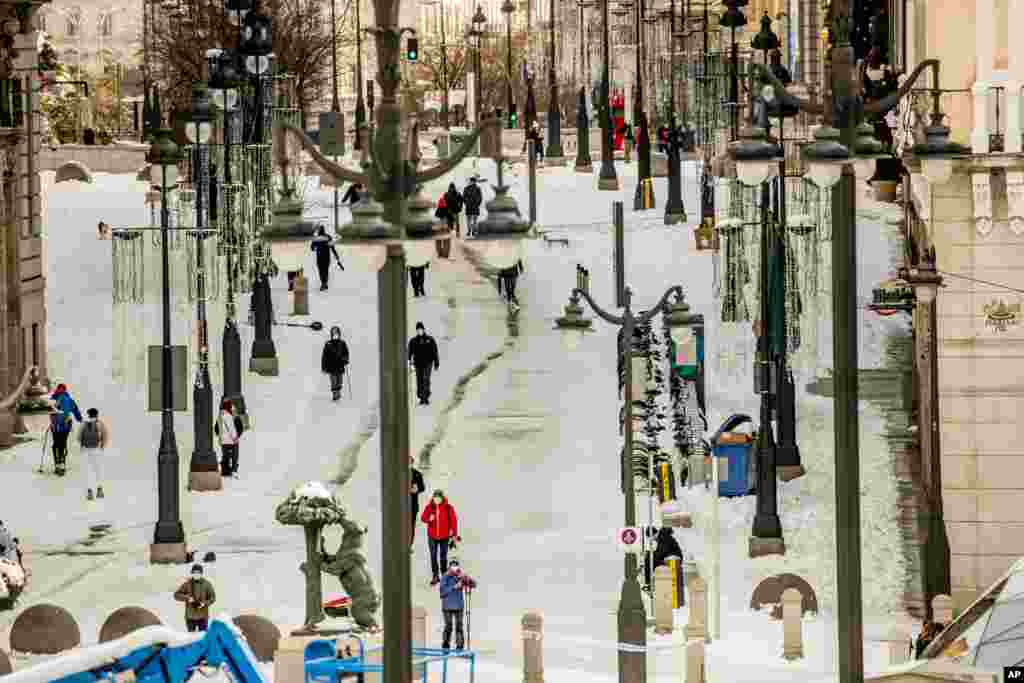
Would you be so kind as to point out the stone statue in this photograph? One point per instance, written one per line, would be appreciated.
(313, 507)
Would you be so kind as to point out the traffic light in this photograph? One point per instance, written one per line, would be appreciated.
(513, 118)
(412, 49)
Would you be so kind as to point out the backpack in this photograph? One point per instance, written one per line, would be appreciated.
(60, 423)
(90, 436)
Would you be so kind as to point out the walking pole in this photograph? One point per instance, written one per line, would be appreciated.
(469, 618)
(42, 455)
(349, 383)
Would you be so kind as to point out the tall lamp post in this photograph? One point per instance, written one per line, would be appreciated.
(476, 35)
(554, 152)
(632, 618)
(169, 537)
(675, 212)
(390, 178)
(224, 82)
(644, 195)
(606, 178)
(335, 103)
(842, 140)
(507, 8)
(445, 81)
(204, 470)
(360, 106)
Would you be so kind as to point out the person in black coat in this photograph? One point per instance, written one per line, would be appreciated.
(454, 202)
(416, 488)
(418, 275)
(323, 246)
(424, 358)
(353, 194)
(334, 361)
(666, 546)
(473, 198)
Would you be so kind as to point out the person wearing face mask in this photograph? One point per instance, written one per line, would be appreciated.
(415, 489)
(424, 358)
(197, 593)
(453, 604)
(442, 532)
(334, 361)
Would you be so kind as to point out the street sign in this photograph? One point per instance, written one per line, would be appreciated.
(628, 539)
(332, 133)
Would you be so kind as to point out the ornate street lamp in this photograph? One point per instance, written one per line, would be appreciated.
(632, 618)
(675, 212)
(204, 470)
(644, 196)
(606, 178)
(360, 106)
(554, 153)
(224, 83)
(583, 162)
(507, 8)
(476, 35)
(732, 19)
(169, 537)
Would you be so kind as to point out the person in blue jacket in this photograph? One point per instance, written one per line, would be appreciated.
(60, 426)
(453, 605)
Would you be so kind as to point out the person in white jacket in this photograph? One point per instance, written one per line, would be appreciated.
(228, 428)
(94, 437)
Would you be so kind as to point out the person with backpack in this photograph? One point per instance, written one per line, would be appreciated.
(454, 201)
(93, 437)
(323, 246)
(473, 198)
(229, 428)
(60, 426)
(334, 361)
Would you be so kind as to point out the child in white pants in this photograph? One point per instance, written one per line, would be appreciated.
(93, 438)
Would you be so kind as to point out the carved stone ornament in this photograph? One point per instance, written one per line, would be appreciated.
(1015, 201)
(981, 185)
(1001, 316)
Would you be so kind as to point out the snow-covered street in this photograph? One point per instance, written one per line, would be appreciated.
(521, 435)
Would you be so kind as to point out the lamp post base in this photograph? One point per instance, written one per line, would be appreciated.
(586, 167)
(167, 553)
(674, 214)
(268, 367)
(761, 547)
(554, 160)
(205, 481)
(790, 472)
(611, 184)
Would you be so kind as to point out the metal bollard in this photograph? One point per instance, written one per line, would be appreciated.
(533, 651)
(300, 292)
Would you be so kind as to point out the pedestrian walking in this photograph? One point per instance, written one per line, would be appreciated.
(473, 198)
(418, 277)
(104, 230)
(353, 194)
(323, 246)
(441, 212)
(94, 437)
(334, 361)
(425, 359)
(454, 587)
(229, 428)
(538, 140)
(415, 489)
(7, 543)
(665, 546)
(197, 593)
(455, 202)
(60, 426)
(442, 532)
(629, 140)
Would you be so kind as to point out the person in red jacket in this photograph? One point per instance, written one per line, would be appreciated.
(442, 532)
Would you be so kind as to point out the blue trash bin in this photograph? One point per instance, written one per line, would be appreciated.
(737, 454)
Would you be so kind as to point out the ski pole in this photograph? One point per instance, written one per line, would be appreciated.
(469, 619)
(349, 383)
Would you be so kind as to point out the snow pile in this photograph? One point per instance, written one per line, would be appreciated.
(11, 574)
(313, 489)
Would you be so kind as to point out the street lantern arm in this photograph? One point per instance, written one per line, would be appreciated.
(601, 313)
(458, 155)
(335, 170)
(785, 96)
(886, 103)
(661, 305)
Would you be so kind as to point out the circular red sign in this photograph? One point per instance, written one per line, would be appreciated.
(628, 536)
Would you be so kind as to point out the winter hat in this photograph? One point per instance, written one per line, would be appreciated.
(335, 329)
(453, 562)
(419, 326)
(61, 389)
(197, 569)
(437, 493)
(226, 404)
(92, 412)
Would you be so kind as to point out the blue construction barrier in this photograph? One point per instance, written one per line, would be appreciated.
(737, 452)
(323, 665)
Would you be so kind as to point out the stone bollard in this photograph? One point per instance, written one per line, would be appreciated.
(533, 651)
(696, 624)
(300, 292)
(942, 609)
(419, 637)
(695, 661)
(898, 644)
(792, 624)
(663, 600)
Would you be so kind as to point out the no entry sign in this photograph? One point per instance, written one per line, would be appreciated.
(628, 538)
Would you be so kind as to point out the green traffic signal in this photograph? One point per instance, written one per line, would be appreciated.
(412, 49)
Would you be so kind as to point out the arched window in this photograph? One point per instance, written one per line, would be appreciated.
(73, 24)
